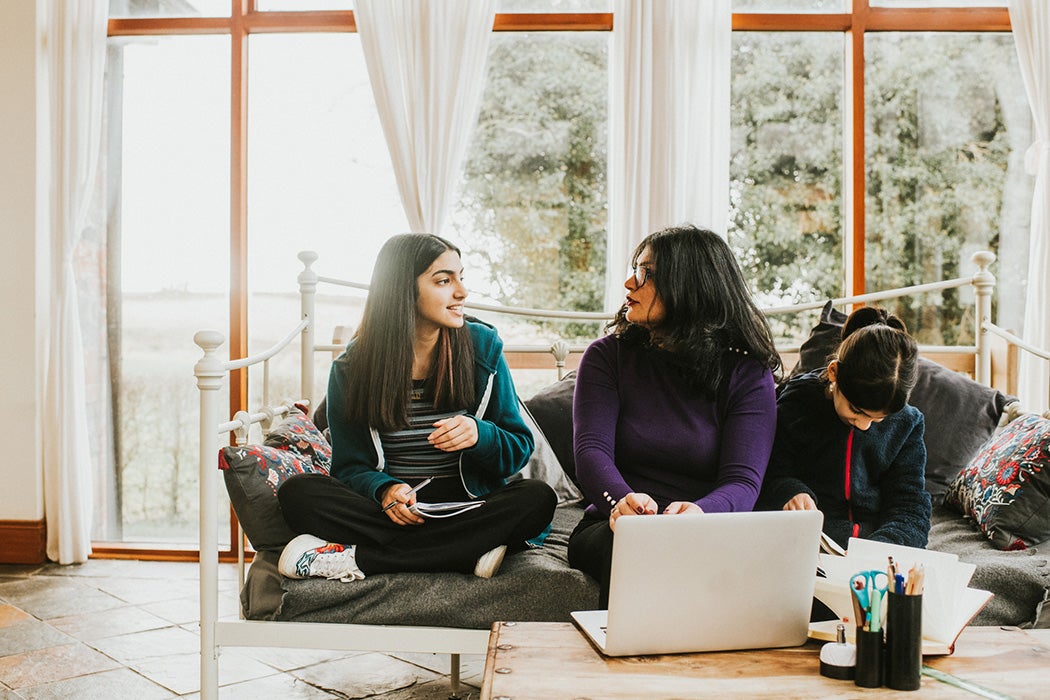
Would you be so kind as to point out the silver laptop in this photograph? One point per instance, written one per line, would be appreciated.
(708, 582)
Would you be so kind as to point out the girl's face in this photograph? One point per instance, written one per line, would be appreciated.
(441, 294)
(644, 305)
(849, 414)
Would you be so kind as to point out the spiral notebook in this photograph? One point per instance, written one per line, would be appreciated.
(707, 582)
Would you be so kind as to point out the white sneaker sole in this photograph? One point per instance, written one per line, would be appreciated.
(489, 562)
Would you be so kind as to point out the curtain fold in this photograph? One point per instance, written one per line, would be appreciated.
(76, 49)
(426, 63)
(669, 123)
(1030, 20)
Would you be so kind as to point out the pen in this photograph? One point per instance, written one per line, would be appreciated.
(412, 490)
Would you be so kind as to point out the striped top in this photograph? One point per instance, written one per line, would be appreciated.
(409, 456)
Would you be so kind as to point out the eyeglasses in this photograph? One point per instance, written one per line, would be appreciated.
(641, 275)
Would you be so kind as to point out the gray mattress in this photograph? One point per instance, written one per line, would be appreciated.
(538, 585)
(534, 585)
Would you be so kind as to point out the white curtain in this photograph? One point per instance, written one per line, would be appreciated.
(1030, 20)
(669, 124)
(76, 50)
(426, 63)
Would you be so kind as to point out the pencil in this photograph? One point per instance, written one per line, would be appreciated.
(412, 490)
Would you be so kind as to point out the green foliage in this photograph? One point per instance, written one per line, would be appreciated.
(534, 193)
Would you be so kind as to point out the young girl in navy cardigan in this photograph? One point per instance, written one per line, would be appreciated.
(849, 444)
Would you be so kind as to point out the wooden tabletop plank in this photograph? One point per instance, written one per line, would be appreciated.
(546, 660)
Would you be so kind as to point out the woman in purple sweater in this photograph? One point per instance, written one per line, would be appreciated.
(674, 410)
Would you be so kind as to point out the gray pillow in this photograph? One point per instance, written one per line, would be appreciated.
(552, 409)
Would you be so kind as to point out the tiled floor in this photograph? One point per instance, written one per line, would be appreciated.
(129, 629)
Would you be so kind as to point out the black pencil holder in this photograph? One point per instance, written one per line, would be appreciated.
(904, 641)
(868, 673)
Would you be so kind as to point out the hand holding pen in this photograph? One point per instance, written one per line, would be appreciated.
(400, 494)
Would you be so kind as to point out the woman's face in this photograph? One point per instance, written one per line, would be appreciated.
(644, 305)
(441, 294)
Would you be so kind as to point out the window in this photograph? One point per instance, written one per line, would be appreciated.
(871, 147)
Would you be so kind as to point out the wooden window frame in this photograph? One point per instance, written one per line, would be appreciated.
(245, 20)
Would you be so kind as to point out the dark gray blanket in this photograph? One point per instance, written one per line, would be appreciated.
(1019, 580)
(534, 585)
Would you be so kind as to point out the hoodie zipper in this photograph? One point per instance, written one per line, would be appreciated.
(854, 527)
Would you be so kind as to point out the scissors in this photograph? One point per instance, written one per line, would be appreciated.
(869, 587)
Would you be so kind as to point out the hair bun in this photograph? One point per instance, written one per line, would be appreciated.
(871, 316)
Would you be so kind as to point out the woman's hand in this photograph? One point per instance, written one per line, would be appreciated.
(402, 496)
(681, 507)
(801, 501)
(454, 434)
(632, 504)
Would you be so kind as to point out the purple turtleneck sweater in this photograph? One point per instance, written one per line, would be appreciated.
(638, 427)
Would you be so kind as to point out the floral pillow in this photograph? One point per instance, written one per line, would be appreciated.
(253, 473)
(1006, 486)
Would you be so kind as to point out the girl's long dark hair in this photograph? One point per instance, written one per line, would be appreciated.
(877, 361)
(379, 374)
(710, 318)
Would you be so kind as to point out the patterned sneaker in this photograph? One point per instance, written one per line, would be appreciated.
(489, 562)
(307, 555)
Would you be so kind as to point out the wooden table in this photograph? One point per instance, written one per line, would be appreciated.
(554, 660)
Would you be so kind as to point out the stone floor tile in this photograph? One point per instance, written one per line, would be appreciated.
(180, 673)
(19, 570)
(116, 568)
(364, 675)
(6, 694)
(290, 659)
(434, 690)
(139, 646)
(120, 683)
(469, 664)
(47, 596)
(52, 664)
(108, 623)
(184, 610)
(282, 686)
(140, 590)
(28, 635)
(9, 615)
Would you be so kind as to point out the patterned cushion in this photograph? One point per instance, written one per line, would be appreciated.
(253, 474)
(1006, 487)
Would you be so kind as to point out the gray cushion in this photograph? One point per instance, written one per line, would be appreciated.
(552, 409)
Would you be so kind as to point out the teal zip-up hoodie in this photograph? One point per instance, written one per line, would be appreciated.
(504, 441)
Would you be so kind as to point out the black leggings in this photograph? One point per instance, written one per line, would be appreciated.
(327, 508)
(590, 551)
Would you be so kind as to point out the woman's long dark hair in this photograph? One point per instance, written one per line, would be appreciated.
(379, 375)
(710, 318)
(877, 361)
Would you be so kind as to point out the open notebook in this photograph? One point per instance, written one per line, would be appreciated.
(707, 582)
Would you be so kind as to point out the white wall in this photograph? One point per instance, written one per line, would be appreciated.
(23, 235)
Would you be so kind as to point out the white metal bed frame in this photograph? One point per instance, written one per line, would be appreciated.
(211, 372)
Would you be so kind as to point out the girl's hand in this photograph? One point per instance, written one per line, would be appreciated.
(801, 501)
(454, 434)
(681, 507)
(632, 504)
(399, 494)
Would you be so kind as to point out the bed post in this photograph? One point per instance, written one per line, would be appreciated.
(307, 292)
(984, 285)
(209, 371)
